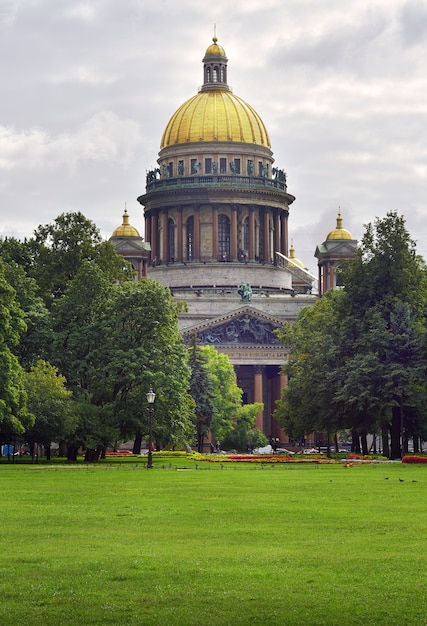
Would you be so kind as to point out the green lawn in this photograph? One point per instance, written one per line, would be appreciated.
(118, 544)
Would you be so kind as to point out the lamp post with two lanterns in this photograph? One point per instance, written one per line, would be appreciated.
(151, 396)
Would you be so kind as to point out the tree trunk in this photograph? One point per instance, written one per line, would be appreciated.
(355, 442)
(328, 445)
(395, 431)
(416, 443)
(48, 452)
(405, 444)
(137, 443)
(72, 453)
(364, 440)
(62, 449)
(92, 455)
(336, 442)
(200, 442)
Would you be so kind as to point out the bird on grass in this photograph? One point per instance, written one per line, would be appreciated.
(401, 480)
(385, 477)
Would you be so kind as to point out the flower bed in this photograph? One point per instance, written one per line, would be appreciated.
(122, 453)
(264, 459)
(414, 459)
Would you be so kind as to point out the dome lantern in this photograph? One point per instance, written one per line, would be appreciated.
(215, 67)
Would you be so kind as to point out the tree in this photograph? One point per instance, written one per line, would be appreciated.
(357, 358)
(232, 423)
(50, 402)
(14, 414)
(314, 367)
(141, 347)
(60, 249)
(75, 319)
(244, 434)
(386, 267)
(227, 394)
(21, 253)
(201, 390)
(35, 342)
(386, 283)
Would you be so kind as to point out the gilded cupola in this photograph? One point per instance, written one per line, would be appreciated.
(339, 232)
(215, 114)
(293, 258)
(125, 229)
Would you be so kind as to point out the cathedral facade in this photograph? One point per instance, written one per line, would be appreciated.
(216, 214)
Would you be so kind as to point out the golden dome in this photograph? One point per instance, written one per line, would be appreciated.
(216, 115)
(125, 230)
(292, 257)
(214, 50)
(339, 232)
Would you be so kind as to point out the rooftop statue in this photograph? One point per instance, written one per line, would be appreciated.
(245, 292)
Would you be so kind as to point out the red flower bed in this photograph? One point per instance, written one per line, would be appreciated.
(414, 459)
(354, 457)
(124, 453)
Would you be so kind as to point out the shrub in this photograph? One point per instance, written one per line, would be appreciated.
(414, 459)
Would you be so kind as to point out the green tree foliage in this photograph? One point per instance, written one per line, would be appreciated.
(76, 317)
(385, 297)
(35, 342)
(143, 350)
(60, 247)
(385, 268)
(244, 434)
(233, 424)
(202, 391)
(114, 342)
(50, 403)
(315, 370)
(227, 394)
(14, 415)
(357, 358)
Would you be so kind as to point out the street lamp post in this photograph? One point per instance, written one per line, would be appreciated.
(151, 396)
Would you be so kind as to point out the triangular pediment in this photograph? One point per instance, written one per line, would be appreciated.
(128, 245)
(339, 248)
(243, 326)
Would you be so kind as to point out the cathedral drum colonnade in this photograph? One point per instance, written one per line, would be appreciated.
(216, 218)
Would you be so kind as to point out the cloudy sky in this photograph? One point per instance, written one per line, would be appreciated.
(88, 87)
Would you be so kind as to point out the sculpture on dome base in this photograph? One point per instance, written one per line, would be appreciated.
(245, 292)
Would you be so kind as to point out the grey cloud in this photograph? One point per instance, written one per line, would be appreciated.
(413, 22)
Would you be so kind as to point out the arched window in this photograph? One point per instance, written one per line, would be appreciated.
(215, 74)
(223, 238)
(208, 75)
(190, 238)
(171, 240)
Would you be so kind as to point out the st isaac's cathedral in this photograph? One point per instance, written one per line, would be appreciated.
(216, 229)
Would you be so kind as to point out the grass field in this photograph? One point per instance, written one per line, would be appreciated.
(116, 544)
